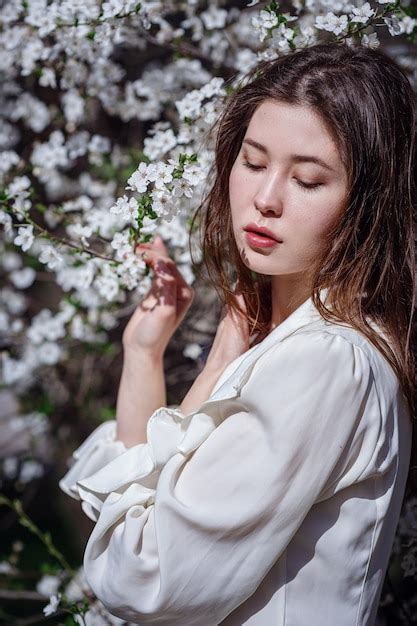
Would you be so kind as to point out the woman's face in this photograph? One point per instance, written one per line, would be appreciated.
(288, 177)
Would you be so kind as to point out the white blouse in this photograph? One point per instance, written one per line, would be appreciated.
(273, 504)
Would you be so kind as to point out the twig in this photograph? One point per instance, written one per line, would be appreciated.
(45, 538)
(12, 594)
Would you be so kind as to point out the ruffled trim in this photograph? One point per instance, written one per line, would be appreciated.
(100, 447)
(103, 465)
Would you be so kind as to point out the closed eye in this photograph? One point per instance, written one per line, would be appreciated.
(308, 186)
(252, 167)
(300, 183)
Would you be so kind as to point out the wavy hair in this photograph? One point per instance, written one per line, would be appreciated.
(369, 263)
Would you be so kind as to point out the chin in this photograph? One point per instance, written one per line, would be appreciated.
(258, 262)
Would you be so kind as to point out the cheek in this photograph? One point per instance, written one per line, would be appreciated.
(321, 215)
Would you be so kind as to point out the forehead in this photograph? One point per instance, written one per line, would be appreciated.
(288, 128)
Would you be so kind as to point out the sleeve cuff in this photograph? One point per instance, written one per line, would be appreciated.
(104, 465)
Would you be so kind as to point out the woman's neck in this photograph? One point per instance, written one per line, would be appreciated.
(289, 291)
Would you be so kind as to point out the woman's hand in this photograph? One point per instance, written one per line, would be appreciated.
(232, 337)
(158, 315)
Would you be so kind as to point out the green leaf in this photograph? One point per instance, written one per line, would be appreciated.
(49, 568)
(411, 11)
(45, 406)
(272, 7)
(107, 413)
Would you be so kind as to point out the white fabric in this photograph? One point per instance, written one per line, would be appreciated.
(274, 504)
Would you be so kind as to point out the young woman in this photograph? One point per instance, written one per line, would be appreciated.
(271, 495)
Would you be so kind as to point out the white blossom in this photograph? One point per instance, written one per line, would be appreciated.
(268, 19)
(51, 257)
(79, 278)
(48, 78)
(371, 40)
(78, 231)
(7, 222)
(30, 470)
(332, 23)
(162, 142)
(6, 567)
(98, 143)
(163, 204)
(25, 237)
(363, 13)
(393, 24)
(11, 467)
(77, 586)
(18, 185)
(160, 173)
(138, 181)
(22, 279)
(73, 106)
(11, 261)
(193, 173)
(49, 353)
(8, 158)
(107, 286)
(190, 105)
(53, 604)
(48, 585)
(408, 24)
(126, 207)
(182, 187)
(32, 111)
(13, 370)
(214, 17)
(192, 350)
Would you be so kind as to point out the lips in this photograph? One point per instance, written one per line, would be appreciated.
(261, 230)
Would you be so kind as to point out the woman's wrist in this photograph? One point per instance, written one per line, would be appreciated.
(216, 365)
(134, 355)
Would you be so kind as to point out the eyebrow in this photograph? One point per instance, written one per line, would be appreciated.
(298, 158)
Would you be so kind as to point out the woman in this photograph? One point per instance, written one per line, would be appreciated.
(271, 495)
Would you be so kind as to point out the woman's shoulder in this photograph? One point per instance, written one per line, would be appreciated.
(335, 338)
(333, 365)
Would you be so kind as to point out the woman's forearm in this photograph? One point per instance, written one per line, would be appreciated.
(201, 388)
(141, 391)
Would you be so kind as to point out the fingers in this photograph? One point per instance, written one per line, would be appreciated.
(156, 245)
(166, 291)
(168, 286)
(156, 251)
(163, 291)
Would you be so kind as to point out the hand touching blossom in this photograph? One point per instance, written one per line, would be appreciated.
(159, 314)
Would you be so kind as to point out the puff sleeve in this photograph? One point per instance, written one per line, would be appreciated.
(190, 523)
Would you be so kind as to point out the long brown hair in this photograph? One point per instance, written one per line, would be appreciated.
(369, 264)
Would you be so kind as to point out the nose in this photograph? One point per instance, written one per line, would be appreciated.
(268, 198)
